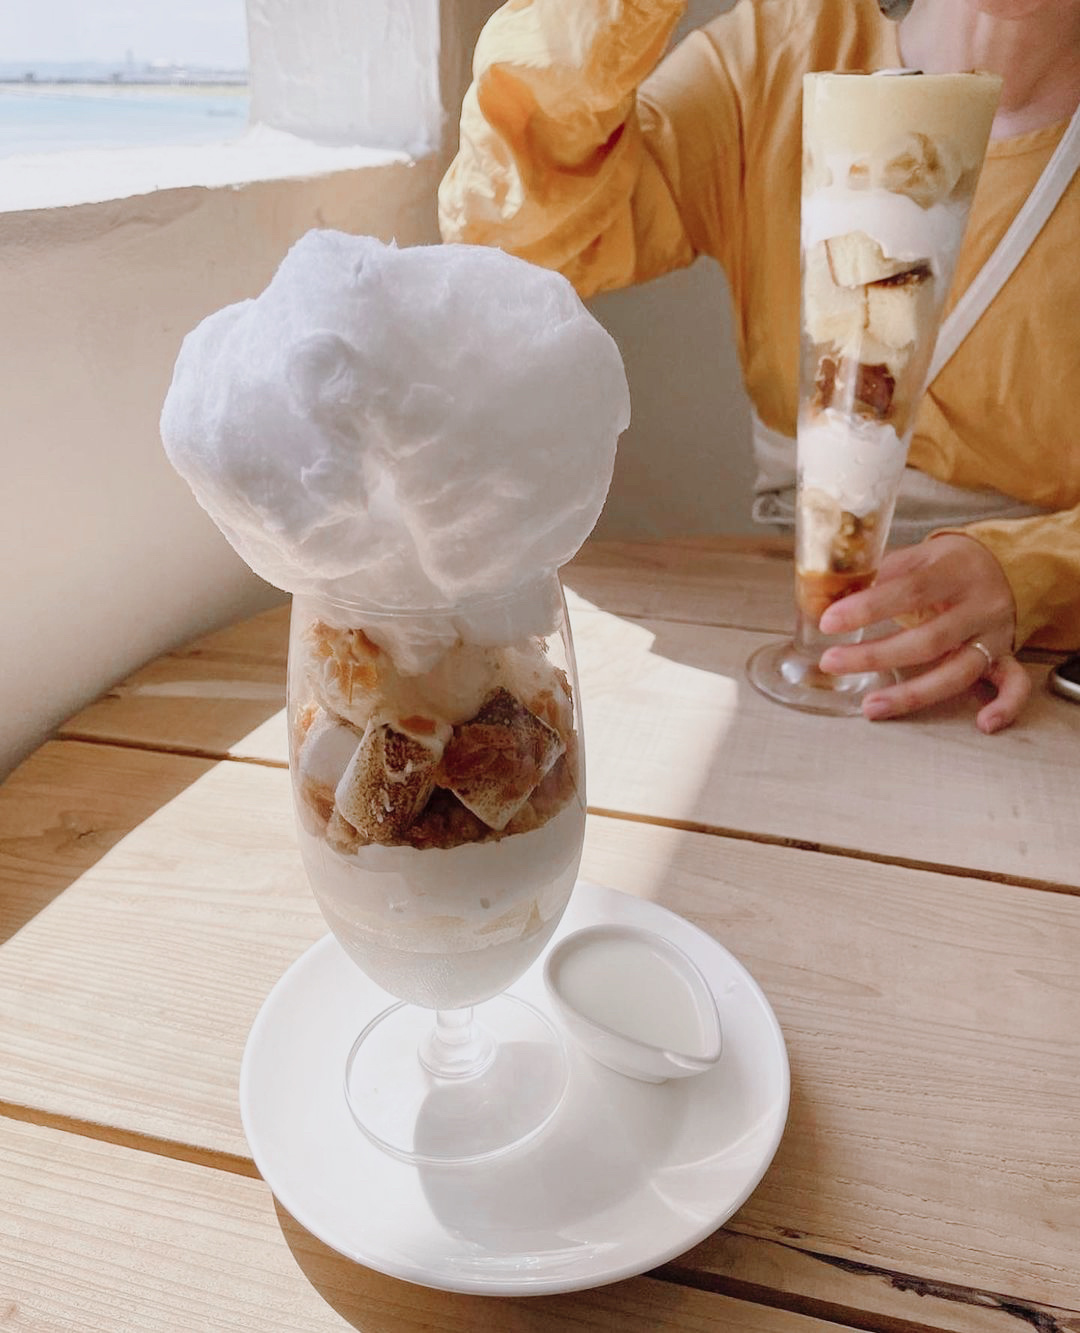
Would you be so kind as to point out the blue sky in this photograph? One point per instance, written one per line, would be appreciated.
(197, 32)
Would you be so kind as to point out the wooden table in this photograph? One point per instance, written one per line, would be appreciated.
(907, 893)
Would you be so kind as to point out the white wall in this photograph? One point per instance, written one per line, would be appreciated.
(684, 466)
(348, 99)
(107, 560)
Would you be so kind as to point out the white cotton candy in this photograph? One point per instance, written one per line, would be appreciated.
(408, 429)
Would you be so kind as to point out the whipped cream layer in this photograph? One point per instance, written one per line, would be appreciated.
(448, 927)
(902, 228)
(857, 462)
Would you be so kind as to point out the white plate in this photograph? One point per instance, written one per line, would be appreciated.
(627, 1176)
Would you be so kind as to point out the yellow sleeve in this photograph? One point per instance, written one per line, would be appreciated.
(1041, 560)
(560, 162)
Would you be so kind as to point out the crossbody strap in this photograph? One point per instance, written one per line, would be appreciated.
(1012, 247)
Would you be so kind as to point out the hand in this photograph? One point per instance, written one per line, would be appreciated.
(946, 592)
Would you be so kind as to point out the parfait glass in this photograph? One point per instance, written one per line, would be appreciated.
(839, 540)
(438, 781)
(890, 165)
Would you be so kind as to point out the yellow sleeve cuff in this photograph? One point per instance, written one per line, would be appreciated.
(1040, 557)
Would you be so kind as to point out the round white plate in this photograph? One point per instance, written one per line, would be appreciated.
(627, 1176)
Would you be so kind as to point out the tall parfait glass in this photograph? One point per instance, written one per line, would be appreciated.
(890, 165)
(438, 778)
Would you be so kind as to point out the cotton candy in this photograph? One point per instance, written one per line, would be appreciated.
(408, 429)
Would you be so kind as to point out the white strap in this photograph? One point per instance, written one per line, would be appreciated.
(1012, 247)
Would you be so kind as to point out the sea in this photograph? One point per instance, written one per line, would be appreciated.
(57, 117)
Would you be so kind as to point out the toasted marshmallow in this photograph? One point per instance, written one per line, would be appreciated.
(391, 776)
(324, 754)
(495, 762)
(327, 749)
(341, 836)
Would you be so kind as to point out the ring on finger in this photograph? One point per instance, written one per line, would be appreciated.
(990, 659)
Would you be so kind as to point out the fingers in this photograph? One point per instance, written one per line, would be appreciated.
(954, 674)
(927, 642)
(905, 585)
(1013, 691)
(904, 593)
(945, 594)
(919, 582)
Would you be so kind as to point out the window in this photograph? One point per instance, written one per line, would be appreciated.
(121, 73)
(335, 85)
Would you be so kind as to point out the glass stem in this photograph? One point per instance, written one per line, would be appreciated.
(457, 1046)
(807, 636)
(810, 641)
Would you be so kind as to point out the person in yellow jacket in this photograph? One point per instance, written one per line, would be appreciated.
(580, 152)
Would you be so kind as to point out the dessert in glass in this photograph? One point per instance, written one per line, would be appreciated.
(440, 817)
(413, 442)
(890, 165)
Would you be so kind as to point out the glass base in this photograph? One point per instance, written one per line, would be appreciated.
(782, 673)
(505, 1093)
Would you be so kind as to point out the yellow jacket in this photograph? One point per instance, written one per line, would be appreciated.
(574, 156)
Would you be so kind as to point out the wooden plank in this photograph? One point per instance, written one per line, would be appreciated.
(206, 886)
(102, 1238)
(675, 732)
(57, 818)
(208, 698)
(211, 695)
(743, 582)
(931, 1020)
(777, 1272)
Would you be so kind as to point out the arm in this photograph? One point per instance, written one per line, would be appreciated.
(560, 162)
